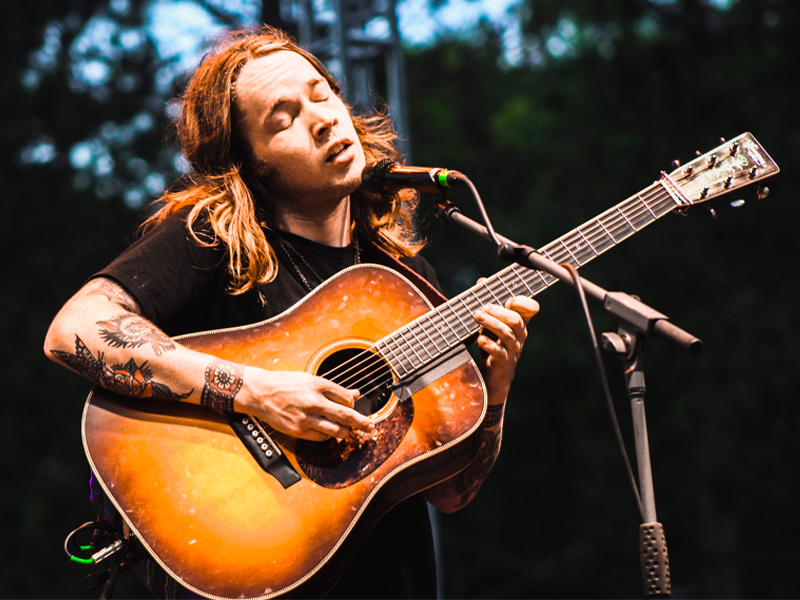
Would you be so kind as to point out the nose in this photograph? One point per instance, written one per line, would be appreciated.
(323, 121)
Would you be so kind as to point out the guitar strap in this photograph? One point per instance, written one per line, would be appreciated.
(381, 256)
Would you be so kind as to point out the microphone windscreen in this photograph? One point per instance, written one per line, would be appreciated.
(370, 176)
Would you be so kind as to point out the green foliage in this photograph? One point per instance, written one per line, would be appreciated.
(554, 141)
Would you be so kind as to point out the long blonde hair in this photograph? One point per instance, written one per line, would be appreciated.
(219, 159)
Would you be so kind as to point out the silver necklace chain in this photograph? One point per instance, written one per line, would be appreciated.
(286, 247)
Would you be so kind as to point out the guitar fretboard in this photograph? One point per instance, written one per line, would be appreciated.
(430, 336)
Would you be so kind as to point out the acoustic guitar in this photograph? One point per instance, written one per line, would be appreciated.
(232, 509)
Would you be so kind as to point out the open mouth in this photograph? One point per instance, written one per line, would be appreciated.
(337, 150)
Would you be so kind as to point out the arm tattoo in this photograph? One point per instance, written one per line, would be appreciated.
(128, 379)
(494, 415)
(130, 331)
(465, 484)
(114, 293)
(223, 382)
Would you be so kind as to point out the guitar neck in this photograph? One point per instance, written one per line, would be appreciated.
(430, 336)
(735, 164)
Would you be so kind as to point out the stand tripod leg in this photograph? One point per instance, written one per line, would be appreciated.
(655, 561)
(652, 543)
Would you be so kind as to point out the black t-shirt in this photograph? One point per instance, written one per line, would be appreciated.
(182, 286)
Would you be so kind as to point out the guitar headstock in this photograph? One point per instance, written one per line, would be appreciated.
(734, 164)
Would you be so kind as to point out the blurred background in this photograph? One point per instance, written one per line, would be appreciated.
(557, 110)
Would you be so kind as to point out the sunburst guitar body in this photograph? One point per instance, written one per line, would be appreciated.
(226, 527)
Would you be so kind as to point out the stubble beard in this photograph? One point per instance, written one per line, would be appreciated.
(298, 198)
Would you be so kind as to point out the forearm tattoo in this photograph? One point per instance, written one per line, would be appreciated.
(114, 293)
(128, 379)
(494, 415)
(130, 331)
(465, 484)
(223, 382)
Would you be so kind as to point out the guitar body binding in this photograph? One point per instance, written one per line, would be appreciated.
(224, 526)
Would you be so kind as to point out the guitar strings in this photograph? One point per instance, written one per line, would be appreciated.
(368, 371)
(593, 234)
(590, 234)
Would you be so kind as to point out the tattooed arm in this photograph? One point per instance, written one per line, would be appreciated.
(501, 348)
(101, 334)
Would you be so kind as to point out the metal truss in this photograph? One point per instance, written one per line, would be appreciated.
(359, 42)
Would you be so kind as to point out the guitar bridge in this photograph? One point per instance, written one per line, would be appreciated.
(262, 448)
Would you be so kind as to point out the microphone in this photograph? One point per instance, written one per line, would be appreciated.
(389, 176)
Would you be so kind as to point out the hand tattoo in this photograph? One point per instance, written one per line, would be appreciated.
(130, 331)
(128, 379)
(113, 292)
(223, 382)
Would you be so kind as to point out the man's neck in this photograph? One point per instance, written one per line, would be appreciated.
(331, 227)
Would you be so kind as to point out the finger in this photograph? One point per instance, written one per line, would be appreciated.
(506, 324)
(347, 417)
(494, 349)
(337, 393)
(312, 435)
(524, 306)
(328, 428)
(512, 317)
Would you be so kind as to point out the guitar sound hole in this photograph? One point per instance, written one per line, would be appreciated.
(357, 368)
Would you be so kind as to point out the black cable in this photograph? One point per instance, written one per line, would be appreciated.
(122, 553)
(113, 574)
(606, 389)
(505, 251)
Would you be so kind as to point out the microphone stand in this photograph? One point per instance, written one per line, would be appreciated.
(637, 321)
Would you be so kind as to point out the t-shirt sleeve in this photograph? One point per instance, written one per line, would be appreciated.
(168, 272)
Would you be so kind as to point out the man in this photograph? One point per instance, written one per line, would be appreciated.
(274, 206)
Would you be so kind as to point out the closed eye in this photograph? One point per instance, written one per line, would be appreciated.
(284, 114)
(319, 90)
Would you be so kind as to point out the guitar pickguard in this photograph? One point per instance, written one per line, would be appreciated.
(337, 464)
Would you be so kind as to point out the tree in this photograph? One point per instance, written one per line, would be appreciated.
(605, 95)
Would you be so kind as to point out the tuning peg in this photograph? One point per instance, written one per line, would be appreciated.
(728, 182)
(734, 148)
(713, 213)
(712, 160)
(722, 140)
(698, 153)
(676, 163)
(753, 172)
(704, 193)
(737, 203)
(762, 192)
